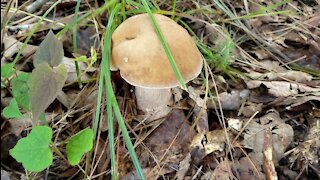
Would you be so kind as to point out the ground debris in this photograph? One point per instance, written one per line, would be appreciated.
(255, 132)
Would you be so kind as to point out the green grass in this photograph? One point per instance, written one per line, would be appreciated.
(117, 12)
(33, 30)
(112, 105)
(105, 71)
(74, 39)
(165, 46)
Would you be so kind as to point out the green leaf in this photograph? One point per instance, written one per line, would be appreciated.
(79, 144)
(50, 51)
(7, 70)
(20, 89)
(33, 151)
(43, 118)
(12, 110)
(45, 85)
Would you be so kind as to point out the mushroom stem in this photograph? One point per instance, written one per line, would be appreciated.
(154, 103)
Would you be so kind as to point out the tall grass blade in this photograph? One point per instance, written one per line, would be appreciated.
(33, 30)
(74, 39)
(111, 100)
(105, 70)
(165, 46)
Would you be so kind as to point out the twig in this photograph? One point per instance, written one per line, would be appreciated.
(35, 5)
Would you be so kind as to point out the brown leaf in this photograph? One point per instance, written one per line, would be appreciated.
(223, 171)
(282, 135)
(173, 130)
(282, 88)
(45, 85)
(210, 142)
(250, 167)
(49, 51)
(170, 141)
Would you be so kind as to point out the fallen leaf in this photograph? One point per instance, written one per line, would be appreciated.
(173, 130)
(251, 108)
(72, 73)
(235, 124)
(296, 76)
(223, 171)
(12, 46)
(250, 167)
(293, 101)
(194, 94)
(18, 125)
(254, 133)
(170, 141)
(209, 142)
(229, 101)
(282, 88)
(183, 167)
(5, 175)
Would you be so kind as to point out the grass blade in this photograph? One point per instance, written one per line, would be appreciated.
(165, 46)
(106, 73)
(74, 39)
(111, 101)
(34, 30)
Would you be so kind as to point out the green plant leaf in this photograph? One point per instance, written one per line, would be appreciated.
(50, 51)
(45, 85)
(12, 110)
(20, 89)
(79, 144)
(7, 70)
(33, 151)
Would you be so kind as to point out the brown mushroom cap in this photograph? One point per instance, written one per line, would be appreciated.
(138, 53)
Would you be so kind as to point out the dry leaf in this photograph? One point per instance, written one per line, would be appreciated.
(194, 94)
(183, 167)
(230, 101)
(170, 141)
(12, 46)
(5, 175)
(251, 108)
(71, 70)
(282, 88)
(308, 150)
(296, 76)
(250, 168)
(294, 101)
(210, 142)
(270, 65)
(235, 124)
(18, 125)
(223, 171)
(254, 133)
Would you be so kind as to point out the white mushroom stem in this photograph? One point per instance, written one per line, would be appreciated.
(154, 103)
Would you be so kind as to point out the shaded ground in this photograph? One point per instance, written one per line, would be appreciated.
(253, 113)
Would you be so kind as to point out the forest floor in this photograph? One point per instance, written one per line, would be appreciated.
(252, 113)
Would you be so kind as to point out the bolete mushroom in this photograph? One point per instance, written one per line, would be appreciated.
(138, 54)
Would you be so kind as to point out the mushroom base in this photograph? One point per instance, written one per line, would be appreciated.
(153, 103)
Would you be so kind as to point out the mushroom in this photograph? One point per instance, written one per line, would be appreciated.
(138, 54)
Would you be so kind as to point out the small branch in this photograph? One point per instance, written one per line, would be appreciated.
(35, 5)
